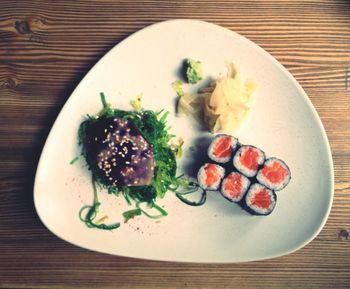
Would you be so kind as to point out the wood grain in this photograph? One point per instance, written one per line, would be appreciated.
(46, 47)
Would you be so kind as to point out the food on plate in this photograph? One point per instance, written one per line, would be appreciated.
(246, 177)
(227, 101)
(210, 176)
(259, 200)
(177, 86)
(222, 148)
(223, 105)
(118, 153)
(190, 104)
(130, 153)
(137, 102)
(193, 70)
(248, 159)
(234, 186)
(275, 174)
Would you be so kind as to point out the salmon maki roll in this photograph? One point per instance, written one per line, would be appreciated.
(248, 159)
(275, 174)
(210, 176)
(222, 147)
(234, 186)
(260, 200)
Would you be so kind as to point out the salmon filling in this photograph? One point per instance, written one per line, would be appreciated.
(249, 159)
(233, 185)
(223, 148)
(262, 199)
(275, 172)
(212, 175)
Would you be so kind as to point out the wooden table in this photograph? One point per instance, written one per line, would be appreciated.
(46, 47)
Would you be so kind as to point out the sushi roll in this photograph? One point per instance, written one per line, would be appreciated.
(210, 176)
(275, 174)
(222, 147)
(259, 200)
(248, 159)
(234, 186)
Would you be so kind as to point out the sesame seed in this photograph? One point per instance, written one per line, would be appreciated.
(127, 162)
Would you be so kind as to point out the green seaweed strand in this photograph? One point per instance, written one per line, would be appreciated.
(155, 206)
(190, 189)
(92, 213)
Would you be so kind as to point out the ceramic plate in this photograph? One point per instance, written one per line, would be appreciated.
(282, 122)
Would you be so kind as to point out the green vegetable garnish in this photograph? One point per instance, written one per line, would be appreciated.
(137, 103)
(193, 70)
(177, 86)
(92, 212)
(154, 128)
(74, 160)
(130, 214)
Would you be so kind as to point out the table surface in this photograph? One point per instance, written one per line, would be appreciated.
(46, 48)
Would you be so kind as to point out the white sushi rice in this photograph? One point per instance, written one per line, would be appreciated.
(202, 176)
(245, 183)
(268, 183)
(213, 144)
(255, 189)
(242, 168)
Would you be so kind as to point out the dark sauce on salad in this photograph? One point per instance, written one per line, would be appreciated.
(118, 152)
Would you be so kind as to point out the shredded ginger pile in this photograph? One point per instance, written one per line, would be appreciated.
(224, 104)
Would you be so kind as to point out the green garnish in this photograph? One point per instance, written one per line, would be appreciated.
(193, 70)
(74, 160)
(137, 103)
(193, 203)
(92, 213)
(154, 128)
(130, 214)
(177, 86)
(188, 187)
(161, 211)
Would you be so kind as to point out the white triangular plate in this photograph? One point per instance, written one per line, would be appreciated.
(282, 122)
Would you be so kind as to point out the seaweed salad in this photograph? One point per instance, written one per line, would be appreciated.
(129, 154)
